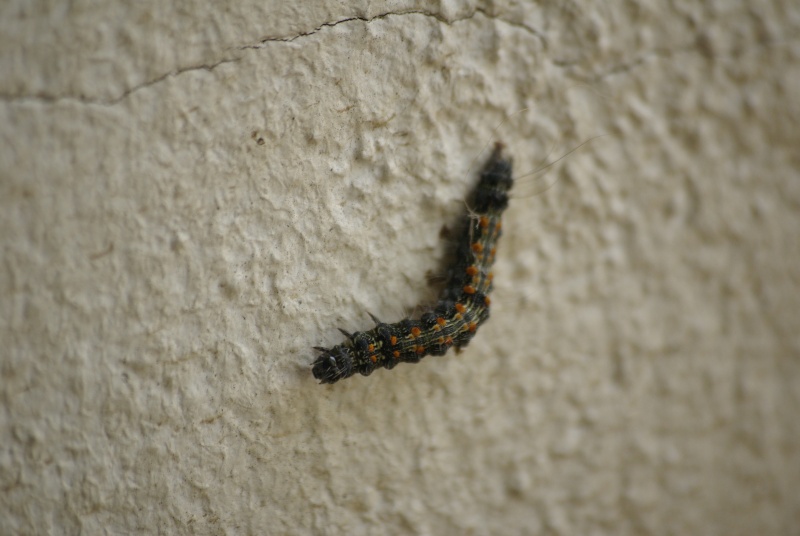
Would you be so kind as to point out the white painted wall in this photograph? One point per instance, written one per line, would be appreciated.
(192, 198)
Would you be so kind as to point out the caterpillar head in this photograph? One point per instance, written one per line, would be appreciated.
(333, 364)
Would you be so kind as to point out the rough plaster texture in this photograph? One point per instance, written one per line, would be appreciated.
(191, 197)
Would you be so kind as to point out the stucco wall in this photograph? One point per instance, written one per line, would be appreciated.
(191, 198)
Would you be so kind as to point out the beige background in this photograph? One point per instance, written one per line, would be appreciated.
(191, 197)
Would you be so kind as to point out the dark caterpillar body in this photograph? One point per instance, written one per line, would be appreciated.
(463, 306)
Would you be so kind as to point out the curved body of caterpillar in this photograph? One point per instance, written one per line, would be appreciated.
(463, 306)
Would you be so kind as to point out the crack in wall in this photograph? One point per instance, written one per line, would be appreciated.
(367, 20)
(621, 67)
(55, 99)
(440, 18)
(51, 99)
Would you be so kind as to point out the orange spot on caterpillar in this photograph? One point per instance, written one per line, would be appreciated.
(473, 327)
(448, 341)
(477, 247)
(371, 348)
(420, 349)
(460, 308)
(415, 332)
(490, 276)
(484, 222)
(487, 301)
(393, 340)
(441, 321)
(469, 289)
(396, 354)
(440, 340)
(373, 358)
(472, 270)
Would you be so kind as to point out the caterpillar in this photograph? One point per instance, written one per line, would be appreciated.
(462, 307)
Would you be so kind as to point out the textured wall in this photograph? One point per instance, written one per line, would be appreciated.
(191, 198)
